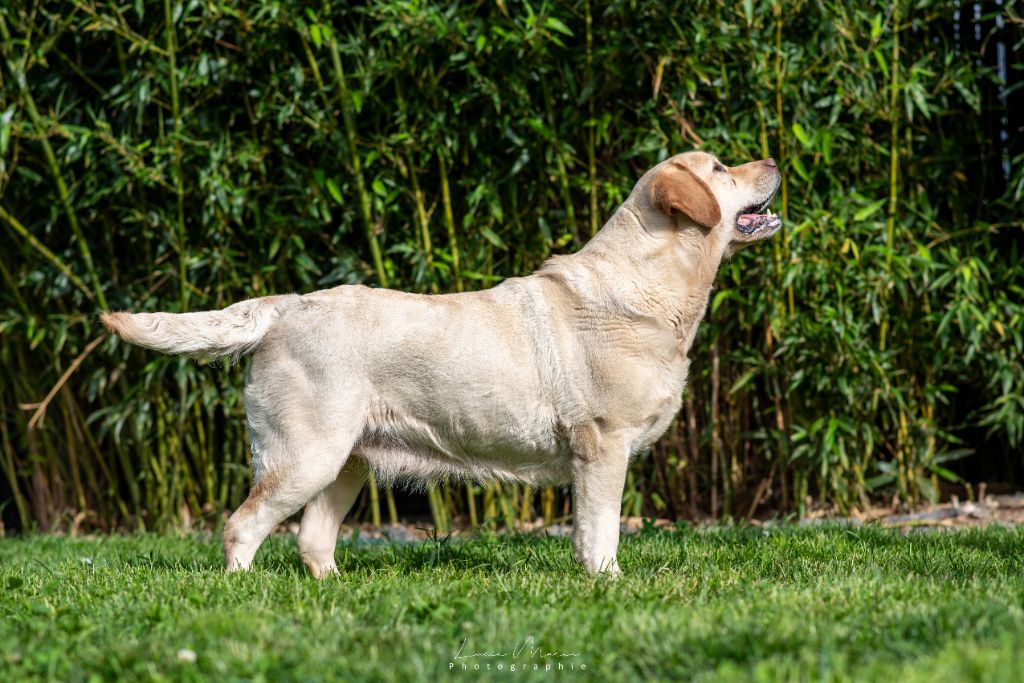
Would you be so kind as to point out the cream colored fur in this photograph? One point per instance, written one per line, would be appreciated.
(558, 377)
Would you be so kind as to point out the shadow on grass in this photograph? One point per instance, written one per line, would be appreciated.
(986, 553)
(485, 553)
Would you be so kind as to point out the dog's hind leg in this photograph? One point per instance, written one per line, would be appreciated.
(294, 478)
(318, 534)
(302, 428)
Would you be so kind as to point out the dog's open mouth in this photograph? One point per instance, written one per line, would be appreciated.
(751, 219)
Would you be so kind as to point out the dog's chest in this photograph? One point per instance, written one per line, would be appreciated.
(661, 406)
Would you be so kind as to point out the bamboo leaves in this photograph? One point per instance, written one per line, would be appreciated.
(200, 154)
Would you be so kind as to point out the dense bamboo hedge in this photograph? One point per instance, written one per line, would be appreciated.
(188, 155)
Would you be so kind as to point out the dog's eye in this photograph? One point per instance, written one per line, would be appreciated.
(719, 168)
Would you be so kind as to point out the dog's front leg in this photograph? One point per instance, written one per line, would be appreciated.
(599, 476)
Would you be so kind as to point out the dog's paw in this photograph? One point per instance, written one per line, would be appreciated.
(320, 567)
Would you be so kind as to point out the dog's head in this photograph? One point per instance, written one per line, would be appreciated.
(698, 198)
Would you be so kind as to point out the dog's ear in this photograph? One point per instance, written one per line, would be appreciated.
(676, 190)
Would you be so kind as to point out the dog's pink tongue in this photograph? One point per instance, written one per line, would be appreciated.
(746, 219)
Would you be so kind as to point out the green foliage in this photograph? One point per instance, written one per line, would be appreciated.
(192, 155)
(740, 604)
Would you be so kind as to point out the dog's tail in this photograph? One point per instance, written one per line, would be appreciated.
(233, 331)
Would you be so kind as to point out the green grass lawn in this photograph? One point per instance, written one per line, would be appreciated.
(788, 603)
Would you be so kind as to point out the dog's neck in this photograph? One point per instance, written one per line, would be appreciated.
(647, 269)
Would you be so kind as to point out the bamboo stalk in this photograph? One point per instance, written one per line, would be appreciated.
(890, 227)
(374, 500)
(12, 286)
(40, 499)
(563, 174)
(315, 68)
(179, 185)
(449, 221)
(506, 508)
(422, 218)
(718, 460)
(62, 188)
(348, 119)
(16, 225)
(435, 515)
(424, 225)
(438, 509)
(389, 497)
(471, 505)
(71, 449)
(11, 471)
(784, 190)
(592, 131)
(161, 465)
(43, 509)
(907, 480)
(103, 498)
(134, 493)
(715, 446)
(526, 504)
(782, 434)
(694, 448)
(203, 453)
(490, 505)
(450, 509)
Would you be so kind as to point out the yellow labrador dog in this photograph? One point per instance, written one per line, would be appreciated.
(557, 377)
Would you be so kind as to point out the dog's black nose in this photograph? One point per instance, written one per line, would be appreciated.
(770, 162)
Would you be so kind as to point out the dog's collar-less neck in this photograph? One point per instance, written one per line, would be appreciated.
(665, 282)
(632, 213)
